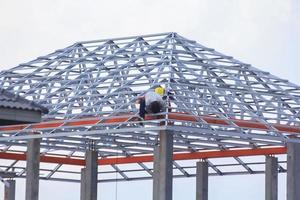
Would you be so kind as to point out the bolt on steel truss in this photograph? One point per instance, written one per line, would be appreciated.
(215, 103)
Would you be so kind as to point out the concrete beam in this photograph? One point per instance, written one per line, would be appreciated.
(32, 169)
(293, 171)
(82, 185)
(91, 175)
(18, 116)
(5, 174)
(271, 178)
(10, 192)
(165, 165)
(202, 180)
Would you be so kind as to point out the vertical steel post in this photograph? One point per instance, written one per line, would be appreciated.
(91, 173)
(165, 165)
(32, 169)
(82, 184)
(271, 178)
(10, 192)
(293, 171)
(202, 180)
(156, 169)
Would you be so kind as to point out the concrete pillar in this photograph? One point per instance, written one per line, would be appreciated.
(91, 175)
(271, 178)
(156, 173)
(165, 165)
(293, 171)
(202, 180)
(32, 169)
(10, 192)
(82, 184)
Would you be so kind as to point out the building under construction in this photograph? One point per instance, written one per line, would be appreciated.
(220, 108)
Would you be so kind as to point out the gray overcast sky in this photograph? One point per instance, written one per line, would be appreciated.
(264, 33)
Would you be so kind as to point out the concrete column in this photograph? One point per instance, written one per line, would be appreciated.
(156, 173)
(10, 192)
(91, 175)
(293, 171)
(165, 165)
(32, 169)
(82, 184)
(202, 180)
(271, 178)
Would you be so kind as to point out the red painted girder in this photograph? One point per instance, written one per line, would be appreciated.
(149, 158)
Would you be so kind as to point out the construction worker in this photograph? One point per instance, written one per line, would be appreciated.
(152, 102)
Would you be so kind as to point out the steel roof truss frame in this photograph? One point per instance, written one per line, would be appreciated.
(92, 88)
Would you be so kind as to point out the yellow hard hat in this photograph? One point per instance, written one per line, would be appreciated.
(160, 91)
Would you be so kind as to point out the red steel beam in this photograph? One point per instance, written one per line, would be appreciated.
(149, 158)
(249, 124)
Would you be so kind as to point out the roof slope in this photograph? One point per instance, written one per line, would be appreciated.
(104, 76)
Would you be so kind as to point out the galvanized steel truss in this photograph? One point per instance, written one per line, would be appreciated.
(215, 103)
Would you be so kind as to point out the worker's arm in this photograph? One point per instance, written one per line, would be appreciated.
(142, 109)
(170, 95)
